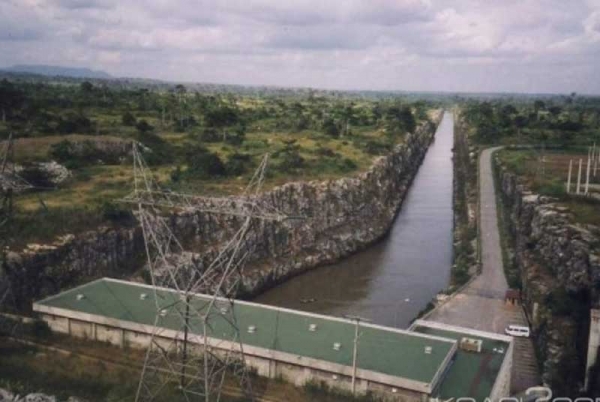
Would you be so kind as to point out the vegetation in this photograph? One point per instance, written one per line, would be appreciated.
(207, 142)
(546, 174)
(558, 120)
(465, 196)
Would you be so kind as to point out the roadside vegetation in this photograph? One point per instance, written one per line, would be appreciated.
(542, 135)
(205, 142)
(465, 206)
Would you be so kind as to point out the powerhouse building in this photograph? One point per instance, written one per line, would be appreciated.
(428, 361)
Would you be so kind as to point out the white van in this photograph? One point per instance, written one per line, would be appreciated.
(517, 330)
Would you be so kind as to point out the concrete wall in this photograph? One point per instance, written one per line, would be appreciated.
(593, 343)
(501, 388)
(298, 375)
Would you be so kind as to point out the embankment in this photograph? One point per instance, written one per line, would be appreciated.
(343, 216)
(557, 266)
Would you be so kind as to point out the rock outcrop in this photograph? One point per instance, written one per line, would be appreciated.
(558, 265)
(340, 217)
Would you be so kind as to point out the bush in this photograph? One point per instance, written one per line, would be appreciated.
(40, 329)
(554, 188)
(36, 176)
(203, 163)
(74, 155)
(237, 136)
(331, 128)
(115, 213)
(327, 152)
(62, 151)
(209, 134)
(176, 175)
(128, 119)
(162, 151)
(74, 123)
(374, 147)
(561, 302)
(289, 157)
(144, 127)
(238, 164)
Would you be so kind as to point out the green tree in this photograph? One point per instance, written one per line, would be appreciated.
(203, 163)
(11, 98)
(143, 126)
(128, 119)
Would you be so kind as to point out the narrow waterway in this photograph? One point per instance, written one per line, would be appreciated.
(390, 282)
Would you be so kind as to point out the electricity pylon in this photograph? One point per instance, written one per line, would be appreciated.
(195, 342)
(10, 184)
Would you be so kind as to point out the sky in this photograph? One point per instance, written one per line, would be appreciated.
(532, 46)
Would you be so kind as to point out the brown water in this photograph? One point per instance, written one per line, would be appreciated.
(393, 280)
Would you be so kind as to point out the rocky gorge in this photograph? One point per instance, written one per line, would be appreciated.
(556, 263)
(339, 217)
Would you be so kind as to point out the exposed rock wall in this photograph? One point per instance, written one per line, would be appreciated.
(342, 216)
(42, 270)
(559, 270)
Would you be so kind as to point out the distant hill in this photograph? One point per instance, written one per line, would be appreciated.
(58, 71)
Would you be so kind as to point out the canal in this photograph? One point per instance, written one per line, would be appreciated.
(391, 281)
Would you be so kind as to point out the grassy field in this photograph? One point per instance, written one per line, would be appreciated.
(546, 173)
(104, 373)
(199, 143)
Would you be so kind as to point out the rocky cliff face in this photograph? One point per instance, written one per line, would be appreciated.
(341, 217)
(42, 270)
(559, 270)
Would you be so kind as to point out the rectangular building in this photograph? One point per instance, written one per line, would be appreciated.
(430, 360)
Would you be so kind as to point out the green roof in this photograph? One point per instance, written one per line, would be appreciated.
(470, 374)
(383, 350)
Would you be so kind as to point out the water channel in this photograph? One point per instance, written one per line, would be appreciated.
(391, 281)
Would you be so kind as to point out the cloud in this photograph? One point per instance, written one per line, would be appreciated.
(513, 45)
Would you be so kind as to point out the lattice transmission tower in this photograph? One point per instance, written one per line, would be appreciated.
(195, 342)
(10, 185)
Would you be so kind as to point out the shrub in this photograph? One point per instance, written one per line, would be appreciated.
(115, 213)
(162, 151)
(289, 157)
(327, 152)
(237, 136)
(144, 127)
(203, 163)
(40, 329)
(238, 164)
(376, 147)
(128, 119)
(62, 151)
(331, 128)
(176, 175)
(36, 176)
(553, 188)
(209, 134)
(76, 155)
(74, 123)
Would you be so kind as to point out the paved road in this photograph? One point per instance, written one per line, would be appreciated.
(481, 305)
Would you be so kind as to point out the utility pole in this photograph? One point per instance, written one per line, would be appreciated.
(579, 177)
(587, 176)
(357, 320)
(569, 178)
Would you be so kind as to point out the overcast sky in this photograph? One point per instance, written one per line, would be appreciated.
(430, 45)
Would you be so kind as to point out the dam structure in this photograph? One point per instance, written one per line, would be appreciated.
(429, 360)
